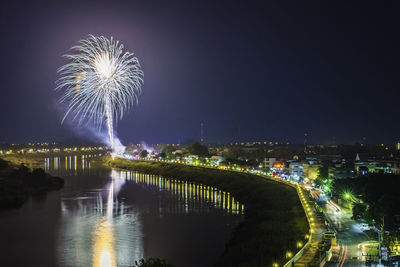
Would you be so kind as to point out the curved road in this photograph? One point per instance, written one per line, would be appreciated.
(350, 235)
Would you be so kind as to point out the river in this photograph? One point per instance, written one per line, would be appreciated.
(104, 217)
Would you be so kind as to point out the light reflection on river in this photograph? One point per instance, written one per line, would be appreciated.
(112, 218)
(114, 232)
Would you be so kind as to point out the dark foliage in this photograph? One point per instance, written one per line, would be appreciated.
(18, 183)
(379, 194)
(3, 164)
(144, 153)
(323, 175)
(198, 149)
(152, 262)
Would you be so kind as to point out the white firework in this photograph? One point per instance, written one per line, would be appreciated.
(101, 82)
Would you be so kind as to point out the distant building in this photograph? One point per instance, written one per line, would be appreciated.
(311, 161)
(397, 168)
(342, 171)
(178, 151)
(365, 167)
(217, 159)
(295, 170)
(270, 162)
(398, 146)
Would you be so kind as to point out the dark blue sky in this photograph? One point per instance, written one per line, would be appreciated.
(248, 70)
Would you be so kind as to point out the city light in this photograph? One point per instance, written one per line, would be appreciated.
(268, 134)
(349, 196)
(304, 191)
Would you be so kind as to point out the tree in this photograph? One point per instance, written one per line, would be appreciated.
(167, 150)
(38, 173)
(323, 175)
(198, 149)
(379, 193)
(23, 171)
(3, 164)
(359, 211)
(152, 262)
(144, 153)
(234, 153)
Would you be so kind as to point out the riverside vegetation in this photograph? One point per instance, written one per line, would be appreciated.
(274, 219)
(17, 183)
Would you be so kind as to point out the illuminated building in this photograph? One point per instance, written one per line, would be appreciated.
(365, 167)
(296, 170)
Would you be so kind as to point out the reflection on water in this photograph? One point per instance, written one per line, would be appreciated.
(74, 162)
(103, 227)
(103, 245)
(103, 235)
(193, 196)
(93, 224)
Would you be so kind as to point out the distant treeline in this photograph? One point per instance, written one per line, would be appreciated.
(274, 219)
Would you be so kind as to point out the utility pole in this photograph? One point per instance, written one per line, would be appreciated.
(305, 142)
(379, 247)
(201, 133)
(265, 164)
(265, 160)
(380, 239)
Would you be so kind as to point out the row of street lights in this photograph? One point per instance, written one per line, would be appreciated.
(305, 204)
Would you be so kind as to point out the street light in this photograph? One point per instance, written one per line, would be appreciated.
(348, 195)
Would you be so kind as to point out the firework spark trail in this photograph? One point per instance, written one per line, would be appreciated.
(109, 121)
(100, 83)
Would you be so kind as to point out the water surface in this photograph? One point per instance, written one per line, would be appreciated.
(107, 217)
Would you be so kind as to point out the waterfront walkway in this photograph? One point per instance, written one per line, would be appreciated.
(310, 254)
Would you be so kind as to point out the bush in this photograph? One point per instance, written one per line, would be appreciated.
(152, 262)
(3, 164)
(17, 184)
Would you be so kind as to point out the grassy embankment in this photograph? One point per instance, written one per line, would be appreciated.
(32, 161)
(274, 219)
(18, 182)
(36, 160)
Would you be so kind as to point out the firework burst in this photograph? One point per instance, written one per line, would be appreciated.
(100, 83)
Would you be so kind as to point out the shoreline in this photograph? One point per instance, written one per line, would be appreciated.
(273, 210)
(18, 183)
(36, 160)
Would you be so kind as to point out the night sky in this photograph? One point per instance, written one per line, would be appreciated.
(249, 70)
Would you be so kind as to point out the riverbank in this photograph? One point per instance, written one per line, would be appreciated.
(274, 222)
(18, 182)
(32, 161)
(36, 160)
